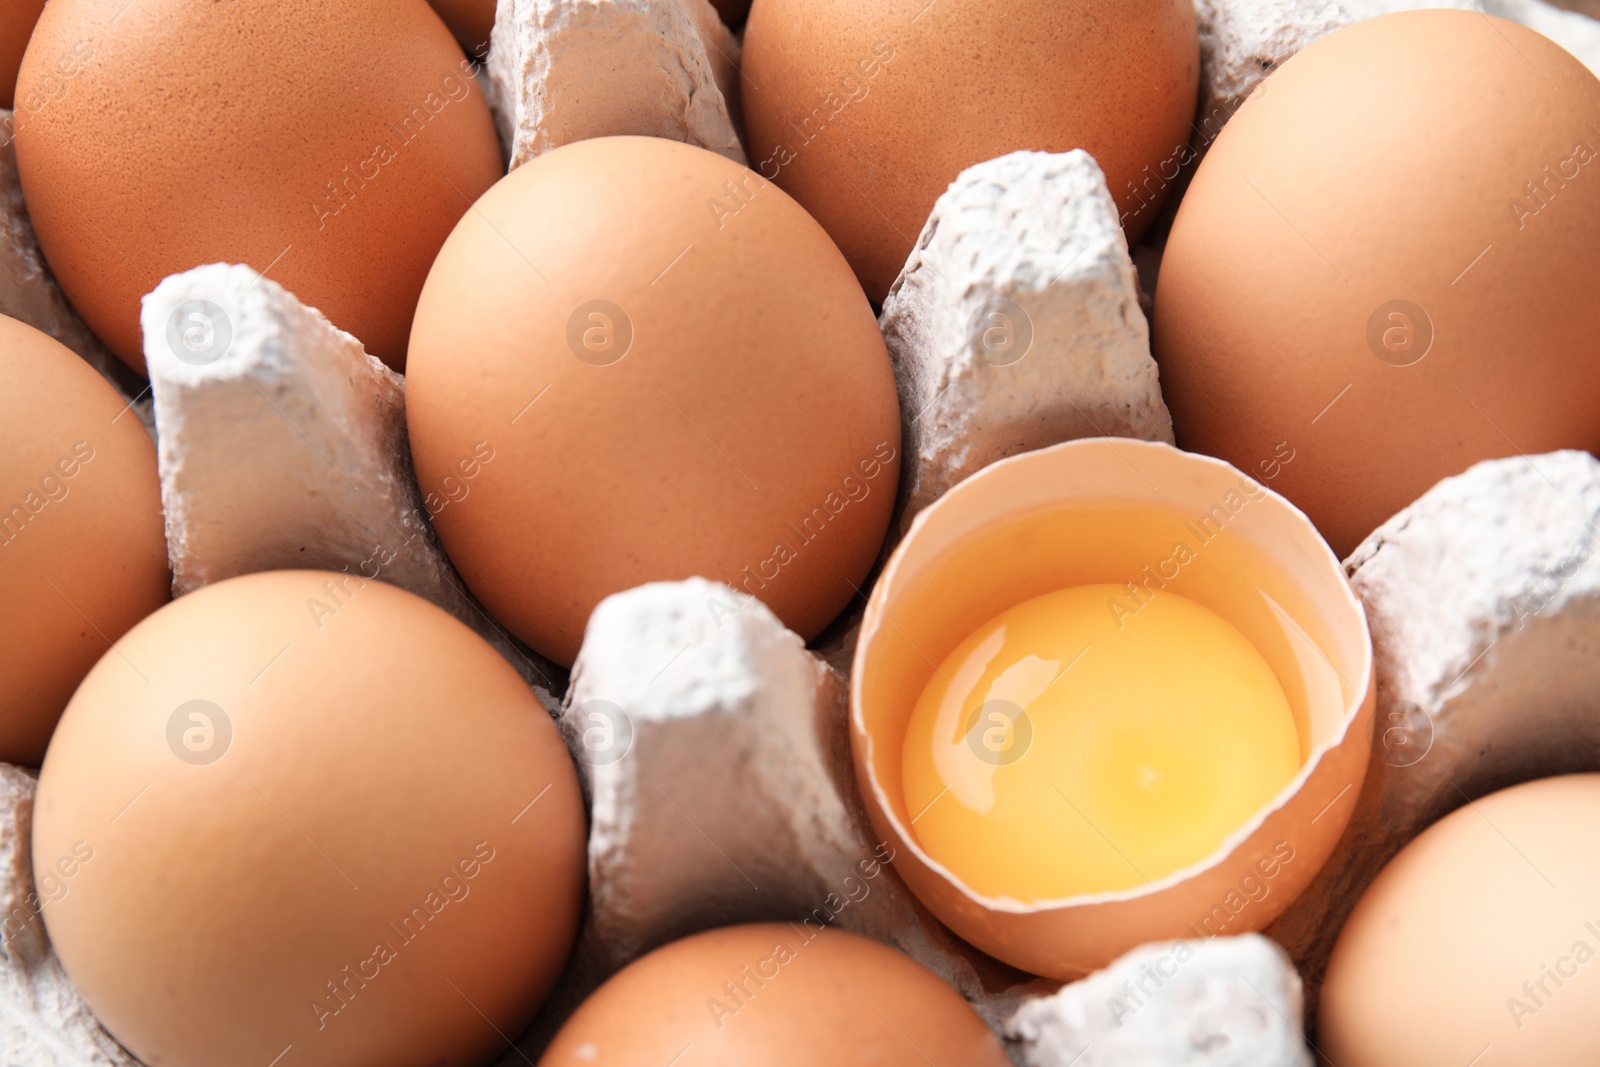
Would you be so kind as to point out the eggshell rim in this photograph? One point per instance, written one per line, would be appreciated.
(882, 812)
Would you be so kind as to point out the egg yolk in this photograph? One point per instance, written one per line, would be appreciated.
(1065, 748)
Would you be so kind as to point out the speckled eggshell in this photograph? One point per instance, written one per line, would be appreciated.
(470, 21)
(1482, 934)
(299, 811)
(330, 145)
(1388, 267)
(865, 113)
(637, 361)
(776, 994)
(17, 18)
(82, 552)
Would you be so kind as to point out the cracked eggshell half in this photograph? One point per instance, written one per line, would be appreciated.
(1036, 523)
(82, 552)
(299, 808)
(329, 146)
(636, 361)
(1390, 259)
(778, 994)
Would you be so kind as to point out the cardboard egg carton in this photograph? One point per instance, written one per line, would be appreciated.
(565, 70)
(711, 742)
(1016, 324)
(276, 379)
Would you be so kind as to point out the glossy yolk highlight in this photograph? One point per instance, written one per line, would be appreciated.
(1056, 752)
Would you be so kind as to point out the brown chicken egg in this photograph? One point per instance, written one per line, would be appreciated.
(301, 816)
(776, 994)
(82, 552)
(1476, 944)
(636, 360)
(1389, 263)
(865, 113)
(17, 18)
(331, 146)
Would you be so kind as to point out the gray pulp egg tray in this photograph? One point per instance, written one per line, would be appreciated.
(1481, 595)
